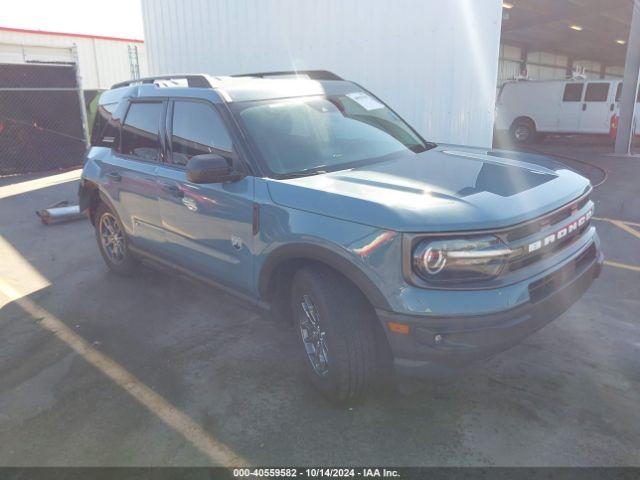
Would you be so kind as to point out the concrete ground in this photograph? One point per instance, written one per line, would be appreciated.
(157, 370)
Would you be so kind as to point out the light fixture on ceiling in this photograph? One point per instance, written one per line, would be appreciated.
(507, 5)
(621, 42)
(577, 28)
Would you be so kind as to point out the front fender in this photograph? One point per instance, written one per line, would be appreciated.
(314, 252)
(368, 256)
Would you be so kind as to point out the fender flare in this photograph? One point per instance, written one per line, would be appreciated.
(313, 252)
(88, 193)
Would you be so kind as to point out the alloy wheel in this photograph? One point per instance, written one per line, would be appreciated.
(522, 133)
(112, 238)
(314, 337)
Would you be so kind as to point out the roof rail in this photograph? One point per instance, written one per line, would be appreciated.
(312, 74)
(193, 80)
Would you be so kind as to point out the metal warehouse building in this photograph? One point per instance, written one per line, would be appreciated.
(435, 62)
(103, 61)
(47, 81)
(438, 63)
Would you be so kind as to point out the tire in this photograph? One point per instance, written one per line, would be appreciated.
(345, 361)
(522, 131)
(119, 260)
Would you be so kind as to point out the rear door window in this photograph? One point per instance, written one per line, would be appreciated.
(140, 131)
(573, 92)
(198, 129)
(619, 94)
(597, 92)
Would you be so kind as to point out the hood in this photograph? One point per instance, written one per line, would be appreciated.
(448, 188)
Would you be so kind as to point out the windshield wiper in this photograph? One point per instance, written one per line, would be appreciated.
(302, 173)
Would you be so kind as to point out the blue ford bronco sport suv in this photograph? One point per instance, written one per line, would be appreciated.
(306, 195)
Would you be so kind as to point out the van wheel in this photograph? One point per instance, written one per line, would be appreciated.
(113, 242)
(523, 131)
(334, 326)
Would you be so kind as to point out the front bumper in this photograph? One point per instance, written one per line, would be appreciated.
(437, 346)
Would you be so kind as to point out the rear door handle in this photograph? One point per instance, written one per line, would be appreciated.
(172, 190)
(115, 176)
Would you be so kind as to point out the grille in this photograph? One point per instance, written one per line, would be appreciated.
(557, 219)
(535, 227)
(549, 284)
(522, 262)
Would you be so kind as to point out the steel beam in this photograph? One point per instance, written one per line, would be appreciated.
(630, 87)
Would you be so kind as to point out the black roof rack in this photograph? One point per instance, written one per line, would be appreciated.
(194, 81)
(312, 74)
(202, 81)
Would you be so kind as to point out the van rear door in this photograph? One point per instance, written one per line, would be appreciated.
(616, 110)
(570, 108)
(596, 108)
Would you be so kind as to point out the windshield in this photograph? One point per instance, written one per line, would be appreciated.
(317, 133)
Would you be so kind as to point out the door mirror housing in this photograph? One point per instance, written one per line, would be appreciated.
(211, 168)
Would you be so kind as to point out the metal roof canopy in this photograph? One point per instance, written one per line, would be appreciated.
(544, 25)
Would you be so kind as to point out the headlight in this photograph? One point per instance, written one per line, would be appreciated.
(459, 259)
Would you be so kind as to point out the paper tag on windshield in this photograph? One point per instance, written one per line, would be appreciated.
(365, 101)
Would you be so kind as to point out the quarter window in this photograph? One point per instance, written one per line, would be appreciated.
(573, 92)
(140, 131)
(597, 92)
(197, 130)
(105, 129)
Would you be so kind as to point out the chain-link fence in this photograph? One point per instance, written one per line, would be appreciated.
(41, 119)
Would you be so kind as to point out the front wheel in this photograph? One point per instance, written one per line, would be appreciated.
(113, 242)
(334, 326)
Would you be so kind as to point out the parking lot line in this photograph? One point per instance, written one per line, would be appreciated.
(625, 266)
(38, 183)
(626, 228)
(180, 422)
(614, 221)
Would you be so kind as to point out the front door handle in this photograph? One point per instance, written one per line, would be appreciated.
(584, 107)
(115, 176)
(172, 190)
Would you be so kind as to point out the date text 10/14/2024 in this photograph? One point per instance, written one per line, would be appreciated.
(316, 473)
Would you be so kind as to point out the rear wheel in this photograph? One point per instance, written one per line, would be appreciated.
(334, 326)
(113, 242)
(523, 131)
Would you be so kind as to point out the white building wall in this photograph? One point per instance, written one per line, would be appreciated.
(435, 62)
(103, 62)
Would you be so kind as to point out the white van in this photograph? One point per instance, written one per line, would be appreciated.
(528, 107)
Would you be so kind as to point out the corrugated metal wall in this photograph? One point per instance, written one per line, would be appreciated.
(435, 62)
(102, 62)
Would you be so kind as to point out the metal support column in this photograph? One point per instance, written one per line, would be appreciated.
(83, 106)
(630, 87)
(524, 56)
(569, 71)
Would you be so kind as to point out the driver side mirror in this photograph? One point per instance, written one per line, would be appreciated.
(211, 168)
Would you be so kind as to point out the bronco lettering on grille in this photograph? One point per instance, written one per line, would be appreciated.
(567, 230)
